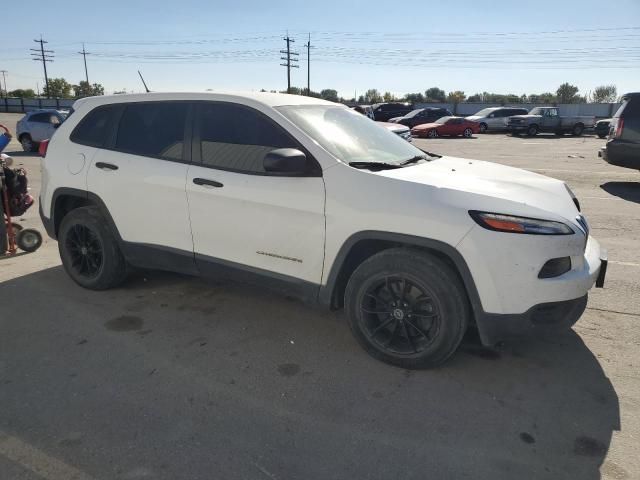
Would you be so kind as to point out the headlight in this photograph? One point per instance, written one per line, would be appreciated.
(573, 197)
(510, 223)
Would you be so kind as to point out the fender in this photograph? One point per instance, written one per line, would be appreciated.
(326, 295)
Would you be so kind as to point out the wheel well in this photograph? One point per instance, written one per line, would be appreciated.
(22, 135)
(364, 249)
(65, 204)
(579, 124)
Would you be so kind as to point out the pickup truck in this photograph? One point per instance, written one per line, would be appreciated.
(548, 119)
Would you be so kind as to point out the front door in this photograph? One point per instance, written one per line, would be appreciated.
(245, 220)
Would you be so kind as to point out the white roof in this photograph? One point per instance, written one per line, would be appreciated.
(264, 98)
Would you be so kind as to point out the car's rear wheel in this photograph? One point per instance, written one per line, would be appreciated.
(89, 250)
(407, 308)
(432, 134)
(28, 145)
(532, 131)
(577, 130)
(468, 133)
(602, 135)
(483, 127)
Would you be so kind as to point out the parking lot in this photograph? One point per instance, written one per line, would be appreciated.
(173, 377)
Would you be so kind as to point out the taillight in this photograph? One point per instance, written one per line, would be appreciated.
(42, 149)
(619, 127)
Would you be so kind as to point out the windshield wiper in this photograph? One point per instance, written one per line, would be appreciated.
(415, 159)
(434, 155)
(374, 165)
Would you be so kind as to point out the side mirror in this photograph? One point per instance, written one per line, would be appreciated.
(285, 161)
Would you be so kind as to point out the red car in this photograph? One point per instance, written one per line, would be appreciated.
(450, 126)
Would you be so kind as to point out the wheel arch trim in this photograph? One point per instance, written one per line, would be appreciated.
(327, 291)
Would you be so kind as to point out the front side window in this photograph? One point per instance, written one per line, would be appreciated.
(153, 129)
(349, 137)
(237, 138)
(94, 128)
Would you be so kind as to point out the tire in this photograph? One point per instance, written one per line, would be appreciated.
(577, 130)
(4, 240)
(467, 133)
(432, 134)
(602, 135)
(483, 127)
(407, 308)
(89, 250)
(29, 240)
(28, 145)
(532, 131)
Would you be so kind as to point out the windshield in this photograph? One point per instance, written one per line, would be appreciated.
(536, 111)
(413, 113)
(443, 120)
(484, 112)
(621, 108)
(349, 136)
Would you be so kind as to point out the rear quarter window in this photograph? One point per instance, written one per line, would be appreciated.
(93, 130)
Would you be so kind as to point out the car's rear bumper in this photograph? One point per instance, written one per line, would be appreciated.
(620, 155)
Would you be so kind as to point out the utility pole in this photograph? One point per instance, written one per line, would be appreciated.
(308, 45)
(84, 55)
(4, 80)
(290, 61)
(43, 56)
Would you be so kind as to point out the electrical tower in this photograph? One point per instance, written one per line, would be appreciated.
(43, 56)
(308, 45)
(84, 55)
(290, 59)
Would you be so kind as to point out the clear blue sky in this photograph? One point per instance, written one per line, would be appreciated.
(474, 46)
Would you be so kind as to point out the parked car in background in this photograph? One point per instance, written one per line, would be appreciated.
(495, 118)
(382, 112)
(623, 145)
(421, 115)
(401, 130)
(446, 126)
(548, 119)
(365, 110)
(602, 127)
(37, 126)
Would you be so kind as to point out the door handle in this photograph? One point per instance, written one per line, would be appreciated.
(106, 166)
(204, 181)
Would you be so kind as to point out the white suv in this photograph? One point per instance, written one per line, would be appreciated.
(316, 200)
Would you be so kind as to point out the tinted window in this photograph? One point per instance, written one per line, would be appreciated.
(40, 117)
(234, 137)
(94, 128)
(153, 129)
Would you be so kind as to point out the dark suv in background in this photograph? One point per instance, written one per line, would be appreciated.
(382, 112)
(623, 145)
(422, 115)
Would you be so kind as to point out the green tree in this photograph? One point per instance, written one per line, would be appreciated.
(329, 94)
(546, 97)
(604, 94)
(414, 98)
(475, 98)
(58, 88)
(568, 93)
(372, 96)
(389, 97)
(434, 94)
(456, 97)
(84, 89)
(22, 93)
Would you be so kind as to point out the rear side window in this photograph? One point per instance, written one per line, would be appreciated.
(236, 138)
(40, 118)
(94, 128)
(153, 129)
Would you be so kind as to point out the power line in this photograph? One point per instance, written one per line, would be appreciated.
(290, 59)
(84, 54)
(44, 56)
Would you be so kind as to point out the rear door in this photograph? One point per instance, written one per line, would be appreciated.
(40, 126)
(140, 175)
(243, 218)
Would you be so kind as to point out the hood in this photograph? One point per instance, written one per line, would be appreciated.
(395, 119)
(424, 126)
(492, 181)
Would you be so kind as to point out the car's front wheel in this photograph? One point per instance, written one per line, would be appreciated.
(483, 127)
(89, 250)
(407, 308)
(432, 134)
